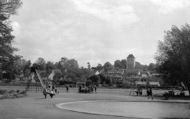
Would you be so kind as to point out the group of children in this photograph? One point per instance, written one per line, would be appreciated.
(87, 89)
(149, 94)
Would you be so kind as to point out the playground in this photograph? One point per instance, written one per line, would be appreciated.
(105, 104)
(50, 101)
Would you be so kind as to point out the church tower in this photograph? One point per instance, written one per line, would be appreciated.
(130, 62)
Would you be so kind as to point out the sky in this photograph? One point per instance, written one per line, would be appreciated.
(95, 31)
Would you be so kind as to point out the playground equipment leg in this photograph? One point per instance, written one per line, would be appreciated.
(45, 96)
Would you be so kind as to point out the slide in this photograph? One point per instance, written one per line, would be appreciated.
(41, 81)
(47, 90)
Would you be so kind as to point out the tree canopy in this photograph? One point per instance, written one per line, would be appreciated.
(7, 8)
(173, 55)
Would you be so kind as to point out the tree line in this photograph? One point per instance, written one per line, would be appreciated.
(66, 69)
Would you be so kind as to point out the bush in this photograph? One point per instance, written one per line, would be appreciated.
(3, 91)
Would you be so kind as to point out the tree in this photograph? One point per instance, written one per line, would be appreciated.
(107, 67)
(88, 65)
(26, 70)
(117, 64)
(7, 8)
(152, 67)
(72, 63)
(20, 65)
(99, 67)
(124, 63)
(174, 54)
(69, 69)
(49, 66)
(41, 63)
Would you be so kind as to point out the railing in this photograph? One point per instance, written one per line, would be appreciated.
(36, 88)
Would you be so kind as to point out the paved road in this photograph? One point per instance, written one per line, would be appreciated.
(34, 106)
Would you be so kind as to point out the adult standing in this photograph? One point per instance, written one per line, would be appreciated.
(149, 93)
(95, 88)
(67, 88)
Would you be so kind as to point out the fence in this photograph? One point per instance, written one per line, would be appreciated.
(32, 88)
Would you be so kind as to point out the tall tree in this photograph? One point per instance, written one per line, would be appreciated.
(41, 63)
(124, 63)
(69, 68)
(7, 8)
(107, 67)
(99, 67)
(117, 64)
(152, 67)
(174, 54)
(49, 66)
(20, 64)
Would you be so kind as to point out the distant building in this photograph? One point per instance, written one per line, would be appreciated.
(115, 75)
(134, 75)
(130, 62)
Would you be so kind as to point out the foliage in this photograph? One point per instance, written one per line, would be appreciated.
(117, 64)
(7, 8)
(107, 67)
(120, 64)
(99, 67)
(174, 54)
(152, 67)
(41, 63)
(123, 64)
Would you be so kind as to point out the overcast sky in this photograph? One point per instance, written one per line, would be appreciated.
(95, 31)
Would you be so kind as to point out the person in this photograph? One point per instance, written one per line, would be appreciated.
(67, 88)
(91, 89)
(136, 91)
(139, 91)
(45, 94)
(95, 88)
(149, 93)
(80, 87)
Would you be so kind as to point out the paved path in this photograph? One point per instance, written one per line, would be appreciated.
(34, 106)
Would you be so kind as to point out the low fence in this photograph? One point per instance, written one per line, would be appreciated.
(32, 88)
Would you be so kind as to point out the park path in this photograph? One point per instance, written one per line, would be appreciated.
(34, 106)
